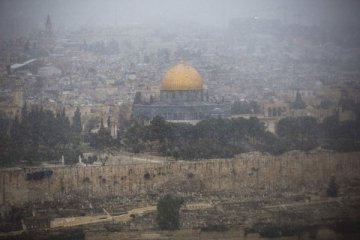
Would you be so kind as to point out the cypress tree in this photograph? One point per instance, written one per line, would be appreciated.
(77, 121)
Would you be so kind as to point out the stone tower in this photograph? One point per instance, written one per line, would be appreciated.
(47, 37)
(48, 27)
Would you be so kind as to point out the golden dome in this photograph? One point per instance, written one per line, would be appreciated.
(181, 77)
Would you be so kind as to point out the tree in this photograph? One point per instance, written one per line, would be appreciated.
(102, 139)
(63, 133)
(123, 122)
(137, 98)
(77, 121)
(245, 107)
(301, 132)
(168, 208)
(159, 129)
(108, 122)
(298, 103)
(38, 135)
(135, 137)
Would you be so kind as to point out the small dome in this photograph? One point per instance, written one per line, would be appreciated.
(181, 77)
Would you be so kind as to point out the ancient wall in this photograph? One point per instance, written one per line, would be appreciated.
(245, 174)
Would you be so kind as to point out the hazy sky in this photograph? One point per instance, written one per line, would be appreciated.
(18, 16)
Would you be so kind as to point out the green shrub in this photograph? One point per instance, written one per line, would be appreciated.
(168, 208)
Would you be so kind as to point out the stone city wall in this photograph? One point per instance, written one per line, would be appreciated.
(244, 174)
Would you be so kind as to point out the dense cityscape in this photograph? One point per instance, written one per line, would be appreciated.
(255, 113)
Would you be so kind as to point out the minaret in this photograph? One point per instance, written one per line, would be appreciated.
(47, 39)
(48, 27)
(113, 130)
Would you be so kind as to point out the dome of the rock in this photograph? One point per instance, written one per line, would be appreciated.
(181, 77)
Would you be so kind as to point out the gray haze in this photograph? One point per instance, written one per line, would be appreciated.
(21, 17)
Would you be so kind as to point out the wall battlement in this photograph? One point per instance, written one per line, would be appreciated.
(294, 171)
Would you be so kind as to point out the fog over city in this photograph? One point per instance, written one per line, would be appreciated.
(188, 119)
(23, 16)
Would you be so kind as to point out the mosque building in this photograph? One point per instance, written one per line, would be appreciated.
(182, 98)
